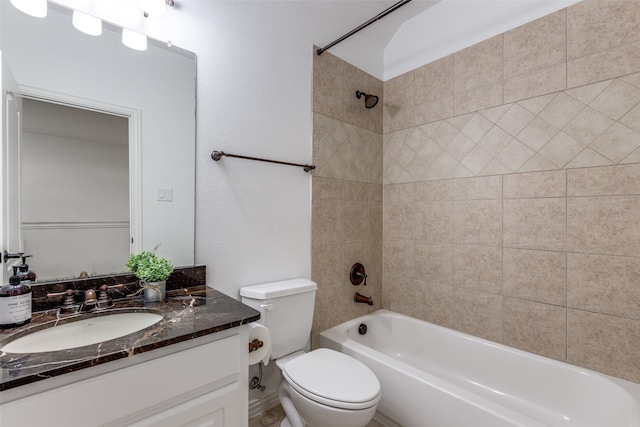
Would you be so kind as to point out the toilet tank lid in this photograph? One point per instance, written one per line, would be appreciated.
(278, 289)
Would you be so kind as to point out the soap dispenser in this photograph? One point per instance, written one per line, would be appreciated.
(15, 302)
(26, 276)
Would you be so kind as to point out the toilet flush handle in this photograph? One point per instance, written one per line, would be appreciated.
(268, 307)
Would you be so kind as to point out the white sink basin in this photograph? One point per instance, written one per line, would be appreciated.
(83, 332)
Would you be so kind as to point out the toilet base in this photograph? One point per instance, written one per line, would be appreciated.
(305, 412)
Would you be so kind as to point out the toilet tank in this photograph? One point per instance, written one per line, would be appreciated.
(286, 309)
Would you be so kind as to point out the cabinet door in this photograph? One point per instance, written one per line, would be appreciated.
(218, 408)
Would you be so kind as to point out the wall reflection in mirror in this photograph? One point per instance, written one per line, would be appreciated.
(95, 137)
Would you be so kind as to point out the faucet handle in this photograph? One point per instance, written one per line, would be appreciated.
(357, 274)
(68, 303)
(104, 300)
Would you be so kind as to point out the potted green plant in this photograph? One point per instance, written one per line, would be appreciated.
(153, 271)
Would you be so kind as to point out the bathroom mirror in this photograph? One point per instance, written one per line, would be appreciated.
(152, 91)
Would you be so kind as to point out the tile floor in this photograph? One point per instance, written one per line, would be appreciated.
(275, 415)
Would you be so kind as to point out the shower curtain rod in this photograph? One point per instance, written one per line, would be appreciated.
(217, 155)
(366, 24)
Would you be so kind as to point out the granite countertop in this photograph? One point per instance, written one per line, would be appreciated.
(188, 313)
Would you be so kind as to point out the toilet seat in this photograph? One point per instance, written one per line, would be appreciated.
(333, 379)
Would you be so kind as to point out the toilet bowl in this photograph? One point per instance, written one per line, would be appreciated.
(325, 388)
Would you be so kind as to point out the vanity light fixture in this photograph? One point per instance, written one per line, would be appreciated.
(133, 39)
(37, 8)
(88, 24)
(154, 7)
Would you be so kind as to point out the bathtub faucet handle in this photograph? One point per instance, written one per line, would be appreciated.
(357, 274)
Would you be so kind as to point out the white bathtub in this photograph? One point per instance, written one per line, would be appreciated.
(437, 377)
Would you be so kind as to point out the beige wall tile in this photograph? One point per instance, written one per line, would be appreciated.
(434, 190)
(495, 140)
(603, 65)
(375, 211)
(433, 262)
(534, 83)
(398, 258)
(604, 225)
(328, 74)
(538, 328)
(561, 150)
(478, 267)
(617, 99)
(399, 193)
(535, 184)
(588, 125)
(539, 276)
(327, 104)
(399, 95)
(326, 188)
(476, 160)
(477, 313)
(434, 81)
(604, 343)
(354, 191)
(477, 98)
(536, 163)
(434, 221)
(604, 284)
(515, 119)
(402, 295)
(326, 264)
(488, 187)
(477, 127)
(535, 223)
(326, 220)
(431, 111)
(610, 180)
(478, 65)
(478, 222)
(597, 25)
(515, 155)
(433, 303)
(616, 143)
(355, 221)
(536, 45)
(588, 158)
(537, 133)
(398, 220)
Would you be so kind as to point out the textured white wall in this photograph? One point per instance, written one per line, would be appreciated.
(253, 219)
(254, 98)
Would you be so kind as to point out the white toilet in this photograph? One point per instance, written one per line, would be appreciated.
(322, 388)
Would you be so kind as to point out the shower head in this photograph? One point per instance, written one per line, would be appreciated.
(370, 101)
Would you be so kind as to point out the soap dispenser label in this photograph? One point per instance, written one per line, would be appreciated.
(15, 309)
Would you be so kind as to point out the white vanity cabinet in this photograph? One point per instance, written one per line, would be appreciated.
(200, 382)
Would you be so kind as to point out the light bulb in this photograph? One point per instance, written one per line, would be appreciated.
(153, 7)
(86, 23)
(134, 40)
(37, 8)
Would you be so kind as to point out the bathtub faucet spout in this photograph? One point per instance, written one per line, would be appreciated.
(361, 298)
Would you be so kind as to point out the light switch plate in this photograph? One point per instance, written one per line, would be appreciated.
(165, 194)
